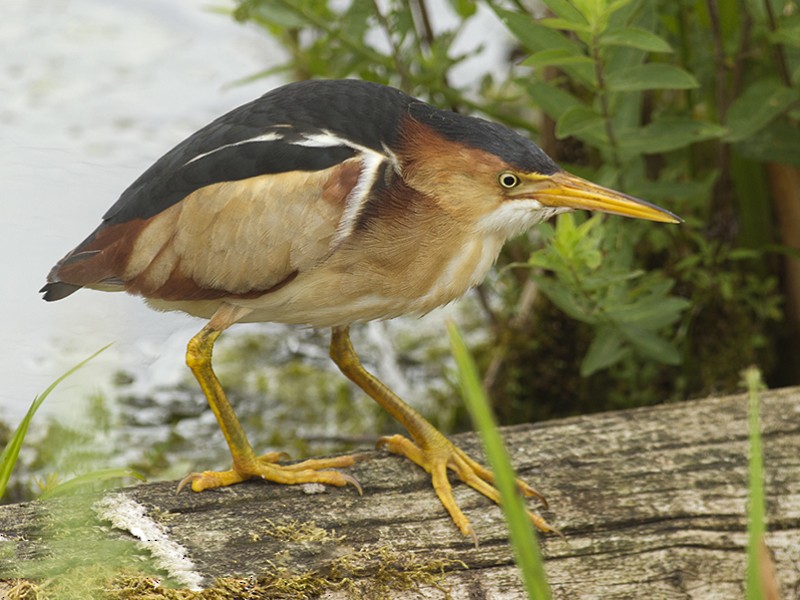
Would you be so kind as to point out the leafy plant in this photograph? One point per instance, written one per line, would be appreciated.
(618, 92)
(391, 43)
(10, 454)
(663, 122)
(52, 485)
(627, 308)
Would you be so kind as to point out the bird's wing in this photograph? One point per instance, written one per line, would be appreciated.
(239, 217)
(303, 126)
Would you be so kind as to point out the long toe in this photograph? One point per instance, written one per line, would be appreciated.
(437, 456)
(266, 467)
(208, 480)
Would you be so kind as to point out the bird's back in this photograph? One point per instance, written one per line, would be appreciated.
(266, 136)
(294, 130)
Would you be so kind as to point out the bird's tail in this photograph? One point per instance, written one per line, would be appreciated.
(56, 290)
(91, 263)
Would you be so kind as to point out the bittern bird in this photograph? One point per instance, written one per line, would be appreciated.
(326, 203)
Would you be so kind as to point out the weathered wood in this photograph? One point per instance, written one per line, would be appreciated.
(652, 504)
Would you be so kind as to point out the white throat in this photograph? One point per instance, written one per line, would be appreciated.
(515, 216)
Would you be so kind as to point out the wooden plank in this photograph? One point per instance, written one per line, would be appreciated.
(651, 501)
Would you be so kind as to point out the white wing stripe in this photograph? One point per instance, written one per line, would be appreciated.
(270, 136)
(371, 163)
(324, 139)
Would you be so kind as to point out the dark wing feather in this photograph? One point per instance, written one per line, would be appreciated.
(233, 163)
(357, 112)
(273, 134)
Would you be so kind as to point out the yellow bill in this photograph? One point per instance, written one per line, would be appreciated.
(563, 189)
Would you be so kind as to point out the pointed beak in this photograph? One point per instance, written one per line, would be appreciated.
(564, 190)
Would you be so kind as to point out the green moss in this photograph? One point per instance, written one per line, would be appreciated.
(368, 573)
(298, 531)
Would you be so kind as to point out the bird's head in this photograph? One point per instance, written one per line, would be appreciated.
(524, 198)
(489, 175)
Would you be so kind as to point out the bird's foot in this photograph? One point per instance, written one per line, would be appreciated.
(267, 467)
(441, 454)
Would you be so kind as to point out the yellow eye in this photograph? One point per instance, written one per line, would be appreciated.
(508, 180)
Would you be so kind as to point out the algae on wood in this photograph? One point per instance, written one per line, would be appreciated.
(652, 503)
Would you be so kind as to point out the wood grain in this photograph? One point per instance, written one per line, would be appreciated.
(652, 504)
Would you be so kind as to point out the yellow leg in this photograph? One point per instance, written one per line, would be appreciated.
(430, 449)
(246, 464)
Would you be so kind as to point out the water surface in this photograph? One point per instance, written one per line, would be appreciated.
(91, 93)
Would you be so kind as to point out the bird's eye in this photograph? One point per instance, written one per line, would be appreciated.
(508, 180)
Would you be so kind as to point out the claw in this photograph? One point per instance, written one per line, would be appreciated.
(186, 480)
(354, 482)
(441, 455)
(266, 467)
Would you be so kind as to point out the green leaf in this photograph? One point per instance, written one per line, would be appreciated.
(271, 15)
(635, 37)
(575, 243)
(651, 76)
(563, 24)
(556, 57)
(667, 188)
(464, 8)
(590, 10)
(81, 481)
(744, 254)
(616, 5)
(784, 250)
(607, 349)
(533, 36)
(651, 344)
(536, 37)
(608, 276)
(578, 119)
(567, 236)
(668, 133)
(652, 312)
(546, 259)
(355, 22)
(760, 103)
(778, 142)
(10, 453)
(564, 9)
(789, 35)
(563, 298)
(546, 231)
(553, 100)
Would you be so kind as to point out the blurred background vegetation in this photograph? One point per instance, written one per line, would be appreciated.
(693, 105)
(690, 104)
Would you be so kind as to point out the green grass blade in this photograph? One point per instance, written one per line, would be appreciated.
(755, 517)
(89, 478)
(10, 453)
(523, 538)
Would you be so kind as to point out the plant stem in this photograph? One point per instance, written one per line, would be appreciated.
(723, 224)
(322, 25)
(780, 56)
(719, 59)
(427, 28)
(602, 93)
(402, 69)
